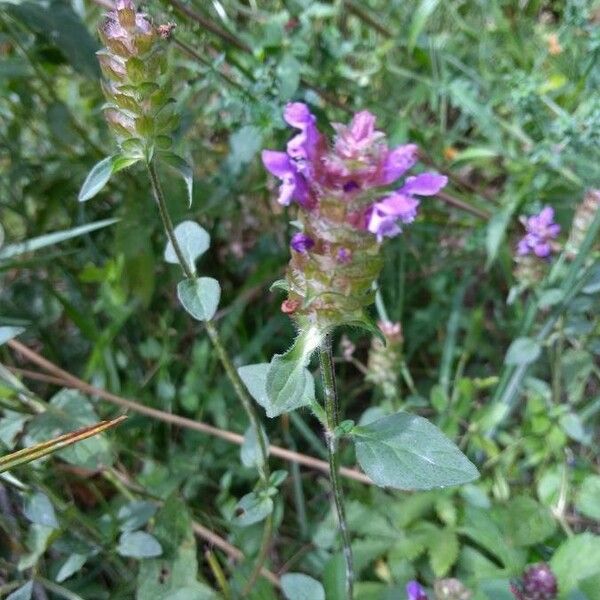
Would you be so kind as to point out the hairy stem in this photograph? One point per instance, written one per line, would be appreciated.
(332, 415)
(232, 374)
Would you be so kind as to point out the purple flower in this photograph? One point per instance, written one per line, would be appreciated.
(293, 186)
(414, 591)
(301, 242)
(344, 255)
(400, 206)
(397, 162)
(343, 175)
(540, 231)
(302, 147)
(354, 139)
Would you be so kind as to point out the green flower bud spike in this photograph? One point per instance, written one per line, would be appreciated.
(136, 89)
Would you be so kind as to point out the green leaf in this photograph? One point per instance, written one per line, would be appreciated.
(49, 239)
(38, 540)
(289, 385)
(576, 366)
(22, 593)
(523, 351)
(251, 455)
(200, 297)
(528, 522)
(572, 424)
(408, 452)
(577, 558)
(297, 586)
(193, 240)
(285, 383)
(38, 509)
(8, 333)
(183, 168)
(252, 508)
(443, 551)
(73, 564)
(255, 380)
(419, 20)
(97, 178)
(588, 498)
(174, 575)
(11, 425)
(288, 76)
(482, 528)
(61, 26)
(245, 143)
(135, 514)
(334, 578)
(138, 544)
(496, 231)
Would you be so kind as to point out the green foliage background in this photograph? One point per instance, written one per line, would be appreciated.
(502, 95)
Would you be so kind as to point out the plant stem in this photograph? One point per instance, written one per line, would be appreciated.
(166, 220)
(332, 414)
(232, 374)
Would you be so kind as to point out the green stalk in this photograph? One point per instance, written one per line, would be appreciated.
(332, 421)
(230, 371)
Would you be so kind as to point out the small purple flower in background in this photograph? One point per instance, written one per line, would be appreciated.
(537, 583)
(540, 231)
(414, 591)
(301, 242)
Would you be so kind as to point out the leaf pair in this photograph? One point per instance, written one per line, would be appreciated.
(401, 451)
(285, 383)
(101, 172)
(199, 295)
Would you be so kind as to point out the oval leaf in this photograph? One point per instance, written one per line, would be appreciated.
(289, 385)
(183, 168)
(138, 544)
(193, 241)
(200, 297)
(297, 586)
(252, 508)
(97, 178)
(523, 351)
(408, 452)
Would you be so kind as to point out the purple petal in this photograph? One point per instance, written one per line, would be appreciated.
(414, 591)
(546, 215)
(301, 242)
(362, 126)
(523, 247)
(277, 163)
(298, 115)
(287, 190)
(425, 184)
(553, 229)
(400, 206)
(542, 249)
(382, 225)
(397, 162)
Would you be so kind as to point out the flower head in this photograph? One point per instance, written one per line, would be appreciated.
(414, 591)
(537, 583)
(540, 231)
(133, 63)
(350, 198)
